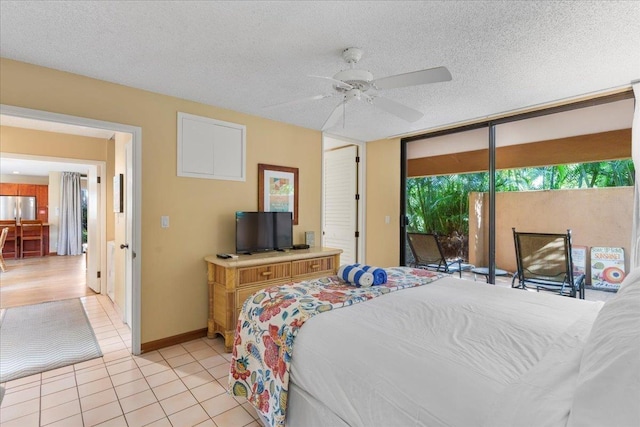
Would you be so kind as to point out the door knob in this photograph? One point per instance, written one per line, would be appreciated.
(124, 246)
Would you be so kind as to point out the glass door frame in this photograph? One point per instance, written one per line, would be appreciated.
(491, 143)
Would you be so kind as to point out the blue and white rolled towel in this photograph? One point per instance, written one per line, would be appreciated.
(355, 276)
(379, 275)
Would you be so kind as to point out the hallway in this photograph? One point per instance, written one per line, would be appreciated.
(50, 278)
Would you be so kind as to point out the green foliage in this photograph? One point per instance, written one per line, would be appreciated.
(441, 203)
(84, 196)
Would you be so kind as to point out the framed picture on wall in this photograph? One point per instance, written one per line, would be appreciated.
(118, 190)
(278, 189)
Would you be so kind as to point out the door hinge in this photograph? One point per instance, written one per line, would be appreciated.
(357, 197)
(98, 274)
(98, 179)
(357, 159)
(357, 234)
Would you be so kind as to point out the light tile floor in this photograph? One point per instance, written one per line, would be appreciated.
(180, 386)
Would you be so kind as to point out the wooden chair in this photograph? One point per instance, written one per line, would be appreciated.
(3, 238)
(31, 231)
(12, 238)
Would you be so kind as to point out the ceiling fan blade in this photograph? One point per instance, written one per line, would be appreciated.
(334, 116)
(431, 75)
(339, 83)
(298, 101)
(399, 110)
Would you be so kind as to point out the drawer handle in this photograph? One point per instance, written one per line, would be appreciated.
(267, 273)
(315, 266)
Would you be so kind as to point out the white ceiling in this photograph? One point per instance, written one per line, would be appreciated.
(245, 55)
(30, 167)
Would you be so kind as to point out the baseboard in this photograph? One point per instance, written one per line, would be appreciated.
(176, 339)
(116, 307)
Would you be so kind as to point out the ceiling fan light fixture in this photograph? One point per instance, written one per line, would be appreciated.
(358, 79)
(356, 83)
(352, 94)
(352, 55)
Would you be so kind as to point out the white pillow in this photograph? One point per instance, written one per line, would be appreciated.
(608, 390)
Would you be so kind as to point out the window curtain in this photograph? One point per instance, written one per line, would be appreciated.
(635, 155)
(70, 230)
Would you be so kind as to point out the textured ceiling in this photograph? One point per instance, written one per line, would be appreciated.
(246, 55)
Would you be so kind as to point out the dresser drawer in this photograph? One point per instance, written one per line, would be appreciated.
(264, 273)
(315, 266)
(245, 292)
(232, 282)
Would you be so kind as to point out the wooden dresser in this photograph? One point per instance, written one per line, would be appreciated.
(232, 281)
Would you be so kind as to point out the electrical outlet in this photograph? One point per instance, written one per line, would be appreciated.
(387, 219)
(164, 221)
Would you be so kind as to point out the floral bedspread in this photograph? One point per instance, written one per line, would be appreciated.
(270, 320)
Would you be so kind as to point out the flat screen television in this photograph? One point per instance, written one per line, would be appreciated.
(263, 231)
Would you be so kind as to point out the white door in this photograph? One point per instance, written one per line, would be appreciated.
(340, 203)
(128, 211)
(93, 231)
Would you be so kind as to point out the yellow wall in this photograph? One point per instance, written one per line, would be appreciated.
(201, 211)
(383, 199)
(49, 144)
(596, 217)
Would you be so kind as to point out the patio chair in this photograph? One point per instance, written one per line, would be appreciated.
(544, 262)
(427, 253)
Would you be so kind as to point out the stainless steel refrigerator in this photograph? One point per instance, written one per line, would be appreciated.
(17, 207)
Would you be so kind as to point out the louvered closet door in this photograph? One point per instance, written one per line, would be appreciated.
(340, 204)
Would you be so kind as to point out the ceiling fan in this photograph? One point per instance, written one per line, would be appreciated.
(358, 84)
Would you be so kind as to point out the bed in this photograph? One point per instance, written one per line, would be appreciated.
(460, 353)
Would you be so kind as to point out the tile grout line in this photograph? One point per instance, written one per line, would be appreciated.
(98, 314)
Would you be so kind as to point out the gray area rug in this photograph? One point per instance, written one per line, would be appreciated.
(41, 337)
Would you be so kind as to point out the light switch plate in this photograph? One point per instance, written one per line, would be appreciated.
(164, 221)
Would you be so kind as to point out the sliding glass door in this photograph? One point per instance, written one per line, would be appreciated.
(444, 175)
(562, 168)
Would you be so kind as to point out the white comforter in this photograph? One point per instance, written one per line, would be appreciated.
(446, 354)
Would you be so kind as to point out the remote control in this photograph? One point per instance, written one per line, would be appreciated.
(223, 256)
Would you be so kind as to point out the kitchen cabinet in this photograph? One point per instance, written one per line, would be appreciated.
(231, 281)
(40, 192)
(8, 189)
(42, 202)
(27, 190)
